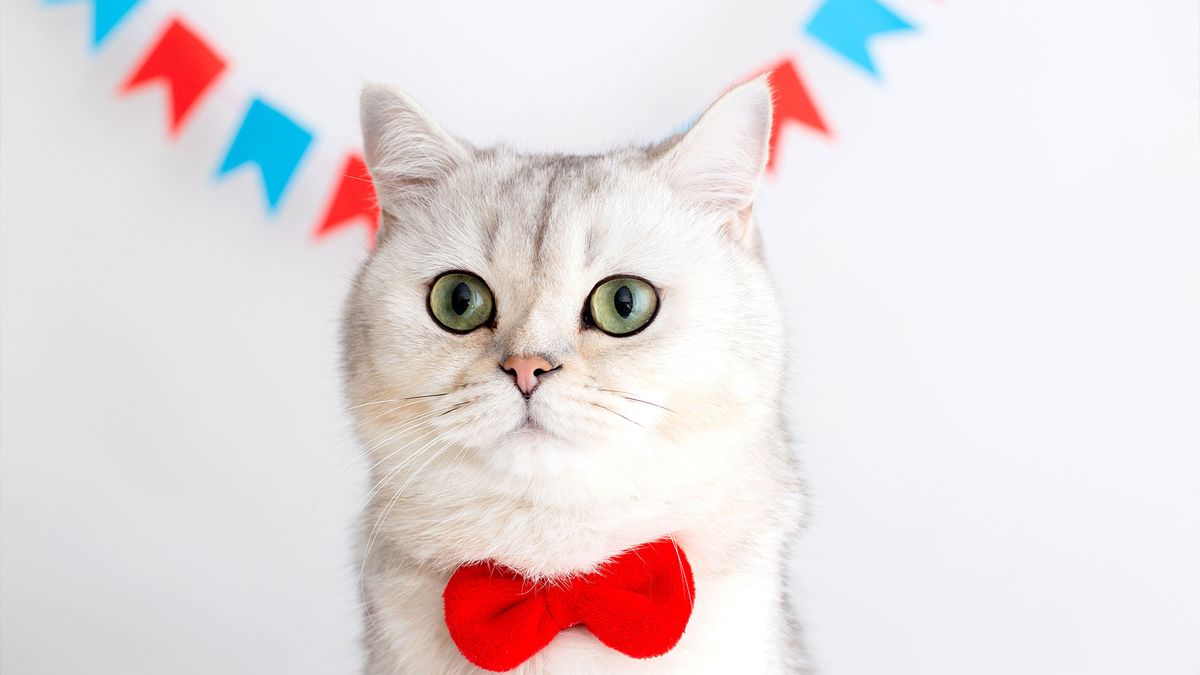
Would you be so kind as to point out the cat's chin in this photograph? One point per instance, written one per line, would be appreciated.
(533, 446)
(530, 434)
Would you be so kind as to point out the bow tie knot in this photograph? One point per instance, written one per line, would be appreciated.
(637, 603)
(562, 604)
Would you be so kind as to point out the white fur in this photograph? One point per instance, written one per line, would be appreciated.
(457, 477)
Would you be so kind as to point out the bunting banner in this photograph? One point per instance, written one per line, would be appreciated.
(187, 66)
(106, 14)
(271, 141)
(845, 26)
(353, 199)
(792, 105)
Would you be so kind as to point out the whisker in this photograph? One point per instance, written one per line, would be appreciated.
(376, 443)
(403, 446)
(393, 472)
(383, 515)
(638, 400)
(379, 488)
(457, 407)
(604, 407)
(363, 405)
(445, 393)
(630, 397)
(382, 439)
(407, 425)
(389, 411)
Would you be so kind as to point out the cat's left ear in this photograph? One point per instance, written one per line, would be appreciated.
(718, 163)
(407, 153)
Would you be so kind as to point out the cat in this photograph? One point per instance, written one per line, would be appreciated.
(554, 359)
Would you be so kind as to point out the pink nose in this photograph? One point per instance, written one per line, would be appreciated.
(525, 370)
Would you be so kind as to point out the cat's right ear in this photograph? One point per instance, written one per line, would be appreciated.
(717, 164)
(406, 151)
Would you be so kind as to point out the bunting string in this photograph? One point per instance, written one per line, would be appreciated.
(270, 140)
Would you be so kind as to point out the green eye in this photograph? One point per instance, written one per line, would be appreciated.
(460, 302)
(622, 306)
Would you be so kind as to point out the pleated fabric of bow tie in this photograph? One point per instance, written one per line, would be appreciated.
(637, 603)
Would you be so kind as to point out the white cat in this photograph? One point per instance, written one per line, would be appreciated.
(555, 359)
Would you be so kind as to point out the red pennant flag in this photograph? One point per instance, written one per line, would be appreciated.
(354, 198)
(188, 65)
(792, 104)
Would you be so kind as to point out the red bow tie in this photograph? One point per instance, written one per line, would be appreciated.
(638, 603)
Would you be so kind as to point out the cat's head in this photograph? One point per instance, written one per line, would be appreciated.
(594, 325)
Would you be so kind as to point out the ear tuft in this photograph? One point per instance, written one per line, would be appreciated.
(719, 161)
(406, 151)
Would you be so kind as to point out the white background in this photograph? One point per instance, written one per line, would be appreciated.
(992, 278)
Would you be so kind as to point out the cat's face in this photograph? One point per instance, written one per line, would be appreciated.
(569, 318)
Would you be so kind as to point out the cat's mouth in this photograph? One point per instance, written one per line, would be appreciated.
(530, 425)
(533, 425)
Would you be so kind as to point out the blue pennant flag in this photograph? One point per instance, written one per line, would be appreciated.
(106, 14)
(274, 142)
(845, 26)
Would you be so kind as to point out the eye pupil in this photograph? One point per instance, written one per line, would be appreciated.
(621, 306)
(460, 302)
(460, 298)
(623, 301)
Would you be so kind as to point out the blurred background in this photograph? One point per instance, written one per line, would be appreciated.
(990, 264)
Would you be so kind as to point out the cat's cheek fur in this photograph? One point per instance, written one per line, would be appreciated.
(675, 431)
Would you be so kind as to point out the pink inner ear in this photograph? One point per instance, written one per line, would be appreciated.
(742, 227)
